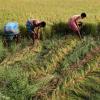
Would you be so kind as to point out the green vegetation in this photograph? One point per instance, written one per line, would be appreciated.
(61, 67)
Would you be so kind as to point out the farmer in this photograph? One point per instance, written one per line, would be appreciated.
(75, 24)
(11, 32)
(33, 27)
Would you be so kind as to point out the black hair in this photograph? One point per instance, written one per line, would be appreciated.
(43, 24)
(83, 15)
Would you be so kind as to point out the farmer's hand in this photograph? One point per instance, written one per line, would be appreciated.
(80, 24)
(79, 35)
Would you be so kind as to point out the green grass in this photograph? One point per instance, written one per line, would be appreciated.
(52, 11)
(55, 13)
(3, 52)
(32, 70)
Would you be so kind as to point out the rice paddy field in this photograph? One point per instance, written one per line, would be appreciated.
(61, 67)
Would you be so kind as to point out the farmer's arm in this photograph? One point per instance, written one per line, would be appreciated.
(77, 23)
(79, 34)
(37, 32)
(78, 30)
(77, 20)
(33, 35)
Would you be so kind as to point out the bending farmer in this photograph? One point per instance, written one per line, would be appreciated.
(33, 27)
(11, 32)
(75, 24)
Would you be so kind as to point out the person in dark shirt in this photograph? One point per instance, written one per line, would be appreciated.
(33, 28)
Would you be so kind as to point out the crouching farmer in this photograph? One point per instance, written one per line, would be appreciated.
(75, 24)
(33, 28)
(11, 32)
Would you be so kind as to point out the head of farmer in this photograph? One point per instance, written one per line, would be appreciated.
(75, 23)
(11, 32)
(33, 28)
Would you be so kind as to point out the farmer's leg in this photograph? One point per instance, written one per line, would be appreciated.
(37, 38)
(73, 28)
(17, 38)
(9, 41)
(10, 38)
(76, 29)
(32, 36)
